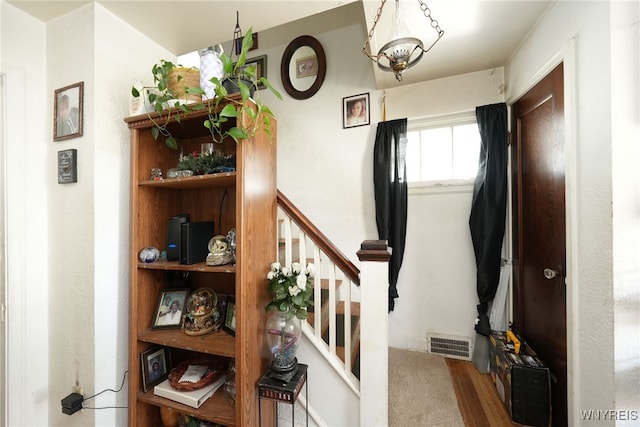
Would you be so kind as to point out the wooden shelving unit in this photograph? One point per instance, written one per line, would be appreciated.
(244, 200)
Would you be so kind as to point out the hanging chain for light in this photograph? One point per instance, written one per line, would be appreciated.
(237, 35)
(399, 52)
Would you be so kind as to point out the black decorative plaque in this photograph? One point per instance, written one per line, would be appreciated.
(67, 166)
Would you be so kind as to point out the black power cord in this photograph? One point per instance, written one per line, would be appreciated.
(124, 377)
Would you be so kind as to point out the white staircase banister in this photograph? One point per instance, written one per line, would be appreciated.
(374, 256)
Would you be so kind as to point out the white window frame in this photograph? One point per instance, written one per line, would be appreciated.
(441, 186)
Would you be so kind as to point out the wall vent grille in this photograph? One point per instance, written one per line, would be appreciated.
(450, 346)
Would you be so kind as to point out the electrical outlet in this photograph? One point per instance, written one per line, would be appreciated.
(77, 389)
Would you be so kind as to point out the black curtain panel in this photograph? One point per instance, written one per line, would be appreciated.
(489, 206)
(390, 187)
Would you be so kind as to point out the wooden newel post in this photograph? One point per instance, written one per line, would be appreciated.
(374, 256)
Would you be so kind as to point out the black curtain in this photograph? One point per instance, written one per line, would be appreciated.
(489, 206)
(390, 186)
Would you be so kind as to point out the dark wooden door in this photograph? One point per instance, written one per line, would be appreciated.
(539, 230)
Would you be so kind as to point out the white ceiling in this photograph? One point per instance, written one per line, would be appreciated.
(478, 34)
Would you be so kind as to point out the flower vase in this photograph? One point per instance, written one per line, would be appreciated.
(283, 337)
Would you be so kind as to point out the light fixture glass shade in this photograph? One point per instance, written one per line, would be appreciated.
(399, 27)
(399, 51)
(402, 51)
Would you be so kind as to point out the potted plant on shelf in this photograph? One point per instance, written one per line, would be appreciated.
(171, 94)
(244, 78)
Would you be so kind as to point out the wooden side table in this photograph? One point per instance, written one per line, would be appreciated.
(276, 389)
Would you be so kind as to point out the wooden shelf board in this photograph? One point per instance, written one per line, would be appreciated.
(176, 266)
(217, 343)
(216, 409)
(226, 179)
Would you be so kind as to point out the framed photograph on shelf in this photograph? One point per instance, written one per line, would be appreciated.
(155, 364)
(170, 308)
(355, 110)
(229, 324)
(67, 111)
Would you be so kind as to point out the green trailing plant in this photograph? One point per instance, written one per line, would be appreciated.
(204, 163)
(259, 116)
(163, 100)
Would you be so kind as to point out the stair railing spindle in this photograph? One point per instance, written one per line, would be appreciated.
(332, 308)
(346, 292)
(317, 296)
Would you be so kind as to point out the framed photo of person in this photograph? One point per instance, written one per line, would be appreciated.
(229, 324)
(67, 111)
(155, 364)
(170, 309)
(355, 110)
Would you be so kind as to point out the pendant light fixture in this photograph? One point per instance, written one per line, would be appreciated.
(402, 51)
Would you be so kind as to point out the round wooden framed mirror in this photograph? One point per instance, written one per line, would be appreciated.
(303, 67)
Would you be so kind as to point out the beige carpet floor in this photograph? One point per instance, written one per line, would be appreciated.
(421, 391)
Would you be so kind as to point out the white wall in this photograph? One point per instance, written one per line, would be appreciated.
(28, 120)
(579, 33)
(625, 114)
(115, 69)
(89, 243)
(70, 59)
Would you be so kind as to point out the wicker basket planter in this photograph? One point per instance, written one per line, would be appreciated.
(181, 78)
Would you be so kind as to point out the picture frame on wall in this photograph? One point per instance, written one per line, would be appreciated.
(67, 166)
(68, 111)
(355, 110)
(155, 365)
(170, 309)
(254, 43)
(260, 63)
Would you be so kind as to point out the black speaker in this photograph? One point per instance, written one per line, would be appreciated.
(194, 245)
(174, 233)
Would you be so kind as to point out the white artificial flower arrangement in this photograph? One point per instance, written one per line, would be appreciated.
(292, 289)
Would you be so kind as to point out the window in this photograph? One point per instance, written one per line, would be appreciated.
(443, 151)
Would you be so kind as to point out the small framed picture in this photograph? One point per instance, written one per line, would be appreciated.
(254, 43)
(260, 62)
(155, 366)
(170, 309)
(67, 111)
(67, 166)
(307, 66)
(229, 324)
(355, 110)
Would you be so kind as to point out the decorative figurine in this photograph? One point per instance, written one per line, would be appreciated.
(149, 255)
(156, 174)
(203, 315)
(219, 251)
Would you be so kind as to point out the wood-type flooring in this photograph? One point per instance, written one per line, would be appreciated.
(477, 396)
